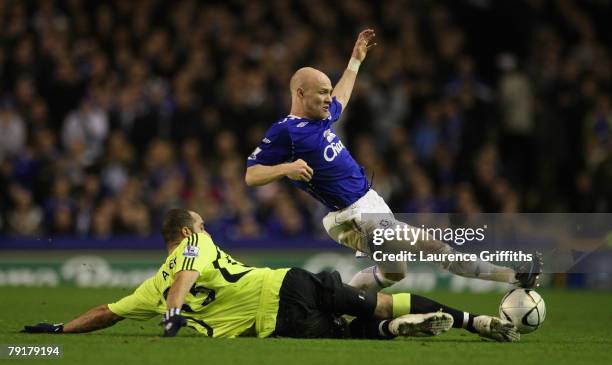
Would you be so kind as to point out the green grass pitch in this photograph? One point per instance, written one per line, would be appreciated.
(578, 330)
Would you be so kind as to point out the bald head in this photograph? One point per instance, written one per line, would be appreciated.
(307, 77)
(310, 93)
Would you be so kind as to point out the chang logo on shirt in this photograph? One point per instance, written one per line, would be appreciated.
(333, 150)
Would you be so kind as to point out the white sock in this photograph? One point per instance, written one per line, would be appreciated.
(370, 278)
(466, 320)
(477, 269)
(471, 269)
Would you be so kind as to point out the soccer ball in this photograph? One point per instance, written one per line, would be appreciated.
(525, 308)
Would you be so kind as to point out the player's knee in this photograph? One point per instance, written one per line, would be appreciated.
(393, 272)
(384, 306)
(394, 276)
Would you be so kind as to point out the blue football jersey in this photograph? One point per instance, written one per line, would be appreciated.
(338, 180)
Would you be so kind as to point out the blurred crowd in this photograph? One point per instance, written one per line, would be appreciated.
(111, 112)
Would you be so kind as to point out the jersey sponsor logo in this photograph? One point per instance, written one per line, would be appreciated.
(172, 263)
(191, 251)
(332, 151)
(329, 135)
(265, 140)
(302, 124)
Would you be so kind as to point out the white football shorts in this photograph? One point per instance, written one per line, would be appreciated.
(352, 225)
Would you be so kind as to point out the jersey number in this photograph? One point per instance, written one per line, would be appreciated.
(195, 291)
(229, 277)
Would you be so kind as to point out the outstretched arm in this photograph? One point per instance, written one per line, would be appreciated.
(94, 319)
(344, 87)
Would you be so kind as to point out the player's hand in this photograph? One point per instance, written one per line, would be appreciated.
(365, 41)
(299, 171)
(172, 322)
(44, 328)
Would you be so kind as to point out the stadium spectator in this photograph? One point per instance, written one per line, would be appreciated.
(85, 131)
(14, 132)
(25, 219)
(101, 100)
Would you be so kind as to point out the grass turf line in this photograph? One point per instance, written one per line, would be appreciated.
(578, 329)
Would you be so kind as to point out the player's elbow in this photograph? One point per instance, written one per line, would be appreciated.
(250, 177)
(103, 311)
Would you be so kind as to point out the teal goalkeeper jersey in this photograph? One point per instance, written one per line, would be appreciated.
(228, 299)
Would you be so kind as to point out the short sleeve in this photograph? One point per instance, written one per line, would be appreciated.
(140, 305)
(274, 149)
(195, 253)
(335, 110)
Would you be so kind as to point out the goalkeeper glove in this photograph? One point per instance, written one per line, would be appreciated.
(44, 328)
(173, 321)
